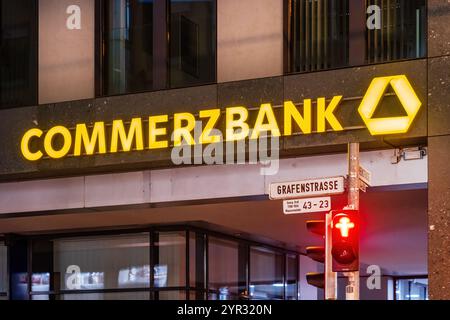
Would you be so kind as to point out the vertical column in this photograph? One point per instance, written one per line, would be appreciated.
(353, 203)
(439, 217)
(243, 270)
(160, 44)
(357, 32)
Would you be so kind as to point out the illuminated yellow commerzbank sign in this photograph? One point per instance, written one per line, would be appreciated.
(112, 138)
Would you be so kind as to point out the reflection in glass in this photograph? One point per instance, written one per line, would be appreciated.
(18, 53)
(3, 270)
(170, 269)
(128, 38)
(134, 276)
(325, 34)
(223, 269)
(291, 277)
(107, 262)
(192, 42)
(411, 289)
(266, 274)
(144, 51)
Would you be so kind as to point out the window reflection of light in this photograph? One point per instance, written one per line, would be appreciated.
(87, 280)
(134, 275)
(40, 282)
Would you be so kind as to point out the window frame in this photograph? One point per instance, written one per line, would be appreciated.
(99, 90)
(197, 290)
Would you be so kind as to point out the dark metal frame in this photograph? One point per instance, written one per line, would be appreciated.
(202, 234)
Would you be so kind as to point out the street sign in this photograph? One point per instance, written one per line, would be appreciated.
(306, 188)
(295, 206)
(365, 175)
(363, 186)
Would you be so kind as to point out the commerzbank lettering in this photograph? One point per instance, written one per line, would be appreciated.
(161, 131)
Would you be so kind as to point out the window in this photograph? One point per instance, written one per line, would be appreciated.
(291, 277)
(18, 53)
(3, 272)
(143, 51)
(223, 269)
(97, 263)
(326, 34)
(170, 265)
(161, 263)
(411, 289)
(193, 44)
(266, 274)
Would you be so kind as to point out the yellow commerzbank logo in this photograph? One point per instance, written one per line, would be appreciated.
(373, 97)
(161, 131)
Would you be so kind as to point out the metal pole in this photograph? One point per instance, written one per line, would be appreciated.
(352, 290)
(330, 276)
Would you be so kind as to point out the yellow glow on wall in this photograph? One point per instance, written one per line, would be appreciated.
(373, 97)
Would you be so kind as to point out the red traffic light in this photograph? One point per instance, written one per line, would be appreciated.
(345, 240)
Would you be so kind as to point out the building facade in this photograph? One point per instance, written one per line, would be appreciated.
(99, 99)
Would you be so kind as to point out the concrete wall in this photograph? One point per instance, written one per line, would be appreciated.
(249, 39)
(194, 183)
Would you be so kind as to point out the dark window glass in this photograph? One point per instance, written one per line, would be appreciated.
(411, 289)
(96, 263)
(266, 274)
(18, 53)
(128, 61)
(291, 277)
(3, 272)
(155, 44)
(192, 42)
(170, 266)
(326, 34)
(223, 269)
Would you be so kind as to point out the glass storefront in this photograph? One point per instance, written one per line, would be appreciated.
(326, 34)
(164, 263)
(223, 266)
(266, 274)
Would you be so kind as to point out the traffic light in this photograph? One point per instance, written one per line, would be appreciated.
(316, 253)
(345, 240)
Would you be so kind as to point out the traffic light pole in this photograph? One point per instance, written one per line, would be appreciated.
(330, 276)
(352, 290)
